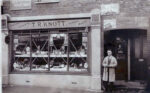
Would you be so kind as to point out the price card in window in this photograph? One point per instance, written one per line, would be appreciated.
(16, 41)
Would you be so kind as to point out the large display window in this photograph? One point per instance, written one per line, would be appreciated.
(50, 51)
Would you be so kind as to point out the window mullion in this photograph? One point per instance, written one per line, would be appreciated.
(12, 51)
(68, 51)
(48, 51)
(30, 51)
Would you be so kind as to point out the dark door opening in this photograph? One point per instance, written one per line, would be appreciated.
(127, 47)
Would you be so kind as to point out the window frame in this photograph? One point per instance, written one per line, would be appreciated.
(68, 31)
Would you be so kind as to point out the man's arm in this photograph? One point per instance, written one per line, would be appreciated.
(114, 63)
(104, 64)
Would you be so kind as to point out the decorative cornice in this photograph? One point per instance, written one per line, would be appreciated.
(45, 17)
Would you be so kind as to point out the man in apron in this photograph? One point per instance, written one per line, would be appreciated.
(109, 64)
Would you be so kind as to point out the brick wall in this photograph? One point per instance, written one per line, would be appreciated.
(127, 7)
(63, 7)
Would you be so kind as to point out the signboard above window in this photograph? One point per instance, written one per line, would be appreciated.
(20, 4)
(49, 24)
(46, 1)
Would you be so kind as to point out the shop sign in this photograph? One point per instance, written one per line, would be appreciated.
(49, 24)
(20, 4)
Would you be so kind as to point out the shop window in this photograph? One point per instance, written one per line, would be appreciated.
(50, 52)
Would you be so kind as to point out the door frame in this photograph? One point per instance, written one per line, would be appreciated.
(129, 59)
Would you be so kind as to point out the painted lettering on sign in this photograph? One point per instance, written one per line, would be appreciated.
(49, 24)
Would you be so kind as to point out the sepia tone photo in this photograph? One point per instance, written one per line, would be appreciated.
(75, 46)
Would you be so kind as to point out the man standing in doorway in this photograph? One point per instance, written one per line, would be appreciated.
(109, 64)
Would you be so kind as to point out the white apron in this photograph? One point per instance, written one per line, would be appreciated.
(109, 68)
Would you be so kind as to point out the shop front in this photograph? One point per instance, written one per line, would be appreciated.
(50, 50)
(57, 53)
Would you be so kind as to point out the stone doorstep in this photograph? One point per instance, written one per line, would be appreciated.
(130, 85)
(5, 85)
(128, 88)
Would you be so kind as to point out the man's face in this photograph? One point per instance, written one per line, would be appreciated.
(109, 53)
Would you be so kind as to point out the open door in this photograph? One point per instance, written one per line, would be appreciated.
(119, 46)
(127, 47)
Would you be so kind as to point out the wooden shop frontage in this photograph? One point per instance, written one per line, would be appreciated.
(53, 52)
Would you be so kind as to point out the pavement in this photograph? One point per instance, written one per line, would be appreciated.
(120, 87)
(30, 89)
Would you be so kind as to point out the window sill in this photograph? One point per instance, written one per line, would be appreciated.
(47, 1)
(52, 73)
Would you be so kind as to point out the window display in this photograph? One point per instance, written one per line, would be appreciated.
(58, 52)
(78, 52)
(54, 52)
(22, 52)
(39, 46)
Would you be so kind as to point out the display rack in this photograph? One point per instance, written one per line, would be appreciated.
(49, 52)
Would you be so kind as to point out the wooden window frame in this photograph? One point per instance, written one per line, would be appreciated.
(46, 72)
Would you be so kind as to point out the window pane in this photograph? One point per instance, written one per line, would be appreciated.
(21, 52)
(58, 52)
(39, 52)
(78, 52)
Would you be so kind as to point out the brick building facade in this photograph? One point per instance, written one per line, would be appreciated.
(120, 25)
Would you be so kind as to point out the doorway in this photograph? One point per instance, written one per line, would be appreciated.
(127, 47)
